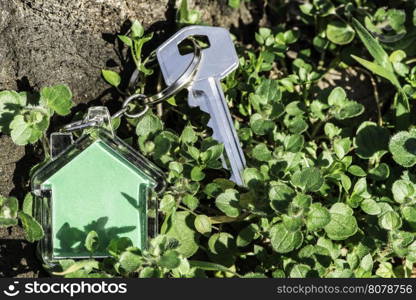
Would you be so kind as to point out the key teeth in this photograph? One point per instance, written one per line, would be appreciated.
(215, 135)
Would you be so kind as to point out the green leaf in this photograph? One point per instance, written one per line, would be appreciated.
(130, 261)
(58, 98)
(33, 230)
(397, 56)
(126, 40)
(349, 110)
(403, 148)
(337, 97)
(385, 270)
(176, 167)
(119, 245)
(409, 213)
(299, 271)
(197, 173)
(356, 171)
(213, 153)
(260, 125)
(222, 248)
(182, 230)
(254, 275)
(278, 274)
(193, 152)
(186, 15)
(149, 272)
(148, 124)
(402, 191)
(309, 179)
(342, 147)
(294, 143)
(203, 224)
(137, 30)
(167, 204)
(318, 217)
(170, 260)
(371, 140)
(302, 201)
(331, 130)
(297, 125)
(341, 208)
(21, 131)
(234, 3)
(373, 46)
(353, 260)
(28, 204)
(8, 207)
(227, 202)
(390, 221)
(292, 223)
(379, 70)
(261, 152)
(252, 177)
(79, 265)
(7, 222)
(381, 172)
(188, 135)
(11, 103)
(284, 241)
(247, 235)
(111, 77)
(367, 263)
(190, 201)
(280, 196)
(92, 241)
(370, 207)
(209, 266)
(268, 91)
(295, 108)
(8, 211)
(343, 224)
(339, 32)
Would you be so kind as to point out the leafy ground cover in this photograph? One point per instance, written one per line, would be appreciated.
(331, 183)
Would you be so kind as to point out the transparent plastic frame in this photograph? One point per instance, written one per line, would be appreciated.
(44, 201)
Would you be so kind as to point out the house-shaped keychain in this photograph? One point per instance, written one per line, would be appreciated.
(97, 183)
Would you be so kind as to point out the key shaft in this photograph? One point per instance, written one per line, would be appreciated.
(208, 95)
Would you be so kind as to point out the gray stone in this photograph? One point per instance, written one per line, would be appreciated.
(46, 42)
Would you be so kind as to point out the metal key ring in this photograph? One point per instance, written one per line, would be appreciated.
(183, 80)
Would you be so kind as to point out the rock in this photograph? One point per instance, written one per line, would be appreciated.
(9, 155)
(46, 42)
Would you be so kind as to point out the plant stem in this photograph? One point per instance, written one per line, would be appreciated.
(376, 95)
(45, 146)
(159, 107)
(226, 219)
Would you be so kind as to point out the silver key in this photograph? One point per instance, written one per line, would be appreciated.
(205, 92)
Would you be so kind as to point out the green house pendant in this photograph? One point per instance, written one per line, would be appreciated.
(97, 183)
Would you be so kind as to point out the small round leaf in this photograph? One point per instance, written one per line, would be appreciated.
(309, 179)
(339, 32)
(203, 224)
(283, 240)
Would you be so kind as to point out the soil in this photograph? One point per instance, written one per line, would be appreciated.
(47, 42)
